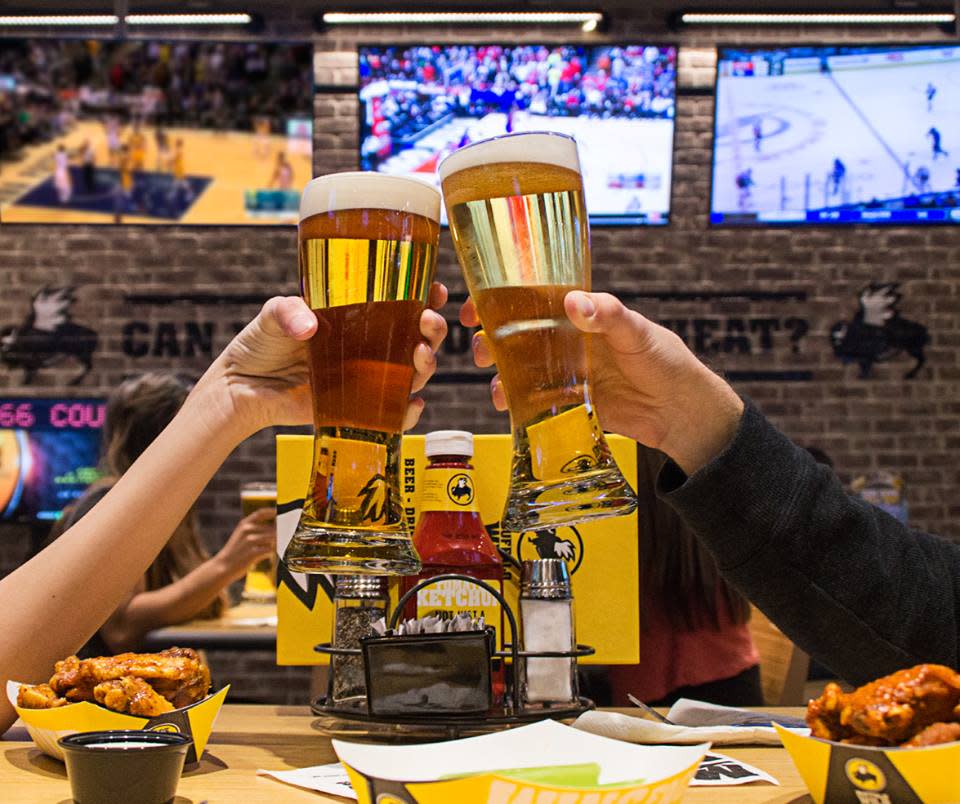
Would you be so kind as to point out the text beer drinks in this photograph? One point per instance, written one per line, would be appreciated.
(368, 250)
(519, 225)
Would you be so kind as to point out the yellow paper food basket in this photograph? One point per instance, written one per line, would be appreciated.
(46, 726)
(856, 774)
(541, 762)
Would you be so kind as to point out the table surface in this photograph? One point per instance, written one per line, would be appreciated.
(230, 630)
(248, 737)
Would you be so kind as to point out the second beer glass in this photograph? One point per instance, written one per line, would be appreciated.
(519, 224)
(368, 252)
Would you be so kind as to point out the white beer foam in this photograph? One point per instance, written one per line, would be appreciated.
(543, 147)
(368, 190)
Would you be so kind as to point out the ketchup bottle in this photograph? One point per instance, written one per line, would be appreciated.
(450, 536)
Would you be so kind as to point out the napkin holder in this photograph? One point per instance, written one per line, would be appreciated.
(444, 678)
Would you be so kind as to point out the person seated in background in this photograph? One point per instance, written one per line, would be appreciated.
(56, 601)
(694, 638)
(849, 584)
(184, 582)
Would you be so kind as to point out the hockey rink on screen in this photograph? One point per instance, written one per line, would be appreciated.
(876, 119)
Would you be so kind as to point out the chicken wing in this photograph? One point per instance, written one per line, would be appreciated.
(177, 674)
(131, 695)
(888, 711)
(72, 679)
(146, 683)
(39, 697)
(934, 735)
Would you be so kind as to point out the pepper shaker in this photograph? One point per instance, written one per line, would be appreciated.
(547, 624)
(358, 602)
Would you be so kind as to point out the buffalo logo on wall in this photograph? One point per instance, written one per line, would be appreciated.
(877, 333)
(48, 337)
(565, 543)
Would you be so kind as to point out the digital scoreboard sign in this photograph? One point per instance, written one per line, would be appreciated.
(49, 450)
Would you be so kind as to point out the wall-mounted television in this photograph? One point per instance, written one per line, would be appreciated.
(837, 135)
(419, 103)
(49, 450)
(153, 132)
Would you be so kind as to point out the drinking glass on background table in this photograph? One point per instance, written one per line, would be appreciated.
(261, 582)
(519, 225)
(368, 253)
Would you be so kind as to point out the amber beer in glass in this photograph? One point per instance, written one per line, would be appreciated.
(261, 580)
(368, 252)
(519, 224)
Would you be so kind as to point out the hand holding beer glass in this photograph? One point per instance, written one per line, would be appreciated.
(368, 251)
(519, 225)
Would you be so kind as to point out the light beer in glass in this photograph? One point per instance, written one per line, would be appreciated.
(367, 252)
(519, 224)
(261, 581)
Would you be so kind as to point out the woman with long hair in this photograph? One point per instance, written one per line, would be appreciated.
(184, 581)
(694, 638)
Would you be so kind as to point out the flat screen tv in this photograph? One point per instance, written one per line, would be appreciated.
(135, 131)
(837, 135)
(49, 450)
(419, 103)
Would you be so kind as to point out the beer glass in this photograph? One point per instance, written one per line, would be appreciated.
(261, 581)
(368, 252)
(519, 224)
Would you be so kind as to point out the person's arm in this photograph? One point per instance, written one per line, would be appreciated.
(56, 601)
(851, 585)
(848, 583)
(254, 538)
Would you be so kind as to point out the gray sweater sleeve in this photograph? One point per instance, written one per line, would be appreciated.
(851, 585)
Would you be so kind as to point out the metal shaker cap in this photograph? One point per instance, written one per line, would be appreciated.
(360, 586)
(545, 578)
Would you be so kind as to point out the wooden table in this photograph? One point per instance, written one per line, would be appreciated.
(227, 632)
(248, 737)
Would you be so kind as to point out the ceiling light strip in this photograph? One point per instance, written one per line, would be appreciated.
(59, 20)
(188, 19)
(427, 17)
(719, 18)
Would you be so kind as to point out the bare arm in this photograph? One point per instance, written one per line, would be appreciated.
(56, 601)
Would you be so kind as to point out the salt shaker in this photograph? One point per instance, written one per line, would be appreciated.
(358, 602)
(546, 617)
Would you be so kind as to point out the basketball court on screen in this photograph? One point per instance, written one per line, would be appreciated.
(634, 182)
(218, 169)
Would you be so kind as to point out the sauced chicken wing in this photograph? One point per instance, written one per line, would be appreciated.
(39, 697)
(888, 711)
(132, 696)
(934, 735)
(72, 679)
(177, 674)
(148, 683)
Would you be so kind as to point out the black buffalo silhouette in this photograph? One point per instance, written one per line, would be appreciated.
(549, 545)
(863, 774)
(48, 336)
(462, 489)
(878, 333)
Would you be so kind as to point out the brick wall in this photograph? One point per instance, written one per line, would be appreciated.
(812, 275)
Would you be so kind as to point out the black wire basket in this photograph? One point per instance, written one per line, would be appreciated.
(396, 709)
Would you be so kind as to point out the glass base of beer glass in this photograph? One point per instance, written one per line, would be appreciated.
(350, 551)
(256, 596)
(539, 505)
